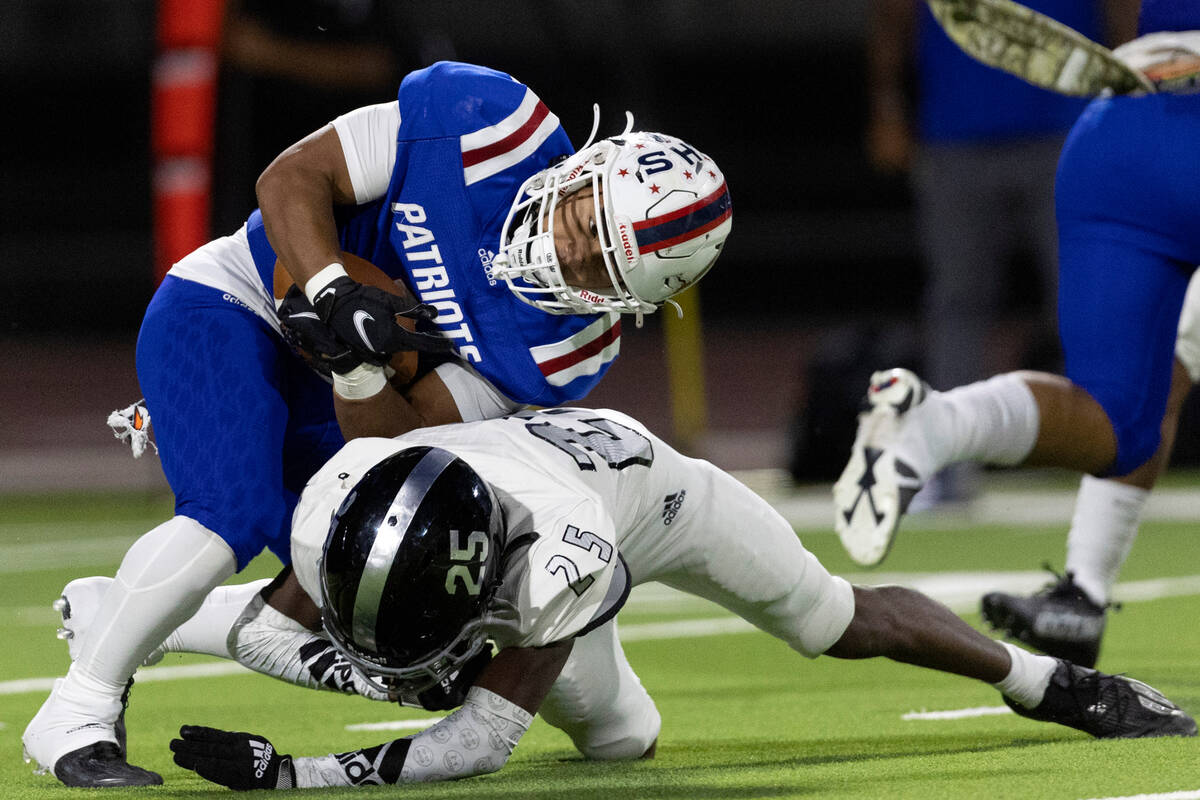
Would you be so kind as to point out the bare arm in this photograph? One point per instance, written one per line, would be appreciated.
(391, 412)
(297, 193)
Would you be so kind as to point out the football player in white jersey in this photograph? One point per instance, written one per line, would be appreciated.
(528, 532)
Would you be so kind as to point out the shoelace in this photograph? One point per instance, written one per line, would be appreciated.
(1064, 586)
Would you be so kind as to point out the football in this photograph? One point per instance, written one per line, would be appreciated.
(366, 273)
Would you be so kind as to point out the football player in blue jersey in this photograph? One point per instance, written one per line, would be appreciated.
(522, 255)
(1128, 247)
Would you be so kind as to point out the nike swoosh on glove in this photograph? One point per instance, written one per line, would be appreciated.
(364, 318)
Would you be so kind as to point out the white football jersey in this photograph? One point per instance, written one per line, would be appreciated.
(574, 484)
(612, 506)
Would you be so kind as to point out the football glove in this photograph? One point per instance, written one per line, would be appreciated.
(363, 317)
(312, 338)
(236, 760)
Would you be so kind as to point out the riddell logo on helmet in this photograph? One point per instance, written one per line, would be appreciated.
(591, 297)
(626, 242)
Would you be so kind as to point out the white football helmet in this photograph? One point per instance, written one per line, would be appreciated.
(663, 212)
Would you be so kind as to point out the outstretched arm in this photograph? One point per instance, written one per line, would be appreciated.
(476, 739)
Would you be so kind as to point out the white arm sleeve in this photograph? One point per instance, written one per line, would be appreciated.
(476, 739)
(368, 137)
(474, 394)
(272, 643)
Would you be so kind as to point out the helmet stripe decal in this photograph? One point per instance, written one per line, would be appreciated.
(387, 542)
(685, 223)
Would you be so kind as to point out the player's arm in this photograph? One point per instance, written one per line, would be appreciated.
(348, 161)
(296, 194)
(476, 739)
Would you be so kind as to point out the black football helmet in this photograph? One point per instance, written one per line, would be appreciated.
(411, 560)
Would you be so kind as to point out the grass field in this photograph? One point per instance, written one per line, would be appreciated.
(743, 716)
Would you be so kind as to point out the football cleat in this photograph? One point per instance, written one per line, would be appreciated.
(1107, 706)
(876, 487)
(1060, 620)
(100, 766)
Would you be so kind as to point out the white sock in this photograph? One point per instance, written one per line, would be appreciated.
(1028, 677)
(162, 580)
(991, 422)
(1107, 515)
(208, 630)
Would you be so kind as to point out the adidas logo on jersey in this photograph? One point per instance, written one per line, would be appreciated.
(262, 752)
(671, 505)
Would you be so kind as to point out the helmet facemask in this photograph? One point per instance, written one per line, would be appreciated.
(528, 261)
(662, 213)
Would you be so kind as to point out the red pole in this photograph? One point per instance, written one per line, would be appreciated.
(183, 120)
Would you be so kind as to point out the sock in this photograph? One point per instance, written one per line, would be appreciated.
(1107, 514)
(162, 581)
(1028, 677)
(991, 422)
(208, 630)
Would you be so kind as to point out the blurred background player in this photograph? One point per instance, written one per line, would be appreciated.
(1127, 251)
(529, 532)
(1067, 618)
(980, 147)
(460, 201)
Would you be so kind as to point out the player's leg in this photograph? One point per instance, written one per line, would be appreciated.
(732, 548)
(599, 701)
(1067, 618)
(207, 367)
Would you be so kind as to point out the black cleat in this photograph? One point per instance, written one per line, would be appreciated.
(101, 765)
(1107, 706)
(1060, 620)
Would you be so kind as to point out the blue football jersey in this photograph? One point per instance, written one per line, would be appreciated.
(469, 137)
(1168, 15)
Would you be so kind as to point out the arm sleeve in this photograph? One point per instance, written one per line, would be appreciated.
(269, 642)
(368, 137)
(476, 739)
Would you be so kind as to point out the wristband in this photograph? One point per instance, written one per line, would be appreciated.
(326, 276)
(365, 380)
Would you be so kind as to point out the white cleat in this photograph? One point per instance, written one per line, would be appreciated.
(61, 727)
(875, 487)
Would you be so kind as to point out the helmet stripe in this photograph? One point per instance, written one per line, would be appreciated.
(686, 223)
(388, 539)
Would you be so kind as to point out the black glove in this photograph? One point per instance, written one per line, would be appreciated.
(236, 760)
(363, 317)
(451, 692)
(312, 338)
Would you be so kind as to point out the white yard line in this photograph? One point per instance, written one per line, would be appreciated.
(395, 725)
(961, 591)
(1188, 794)
(958, 713)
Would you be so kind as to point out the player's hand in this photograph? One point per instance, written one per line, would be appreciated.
(364, 318)
(314, 340)
(236, 760)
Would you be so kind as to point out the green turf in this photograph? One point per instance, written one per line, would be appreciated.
(743, 716)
